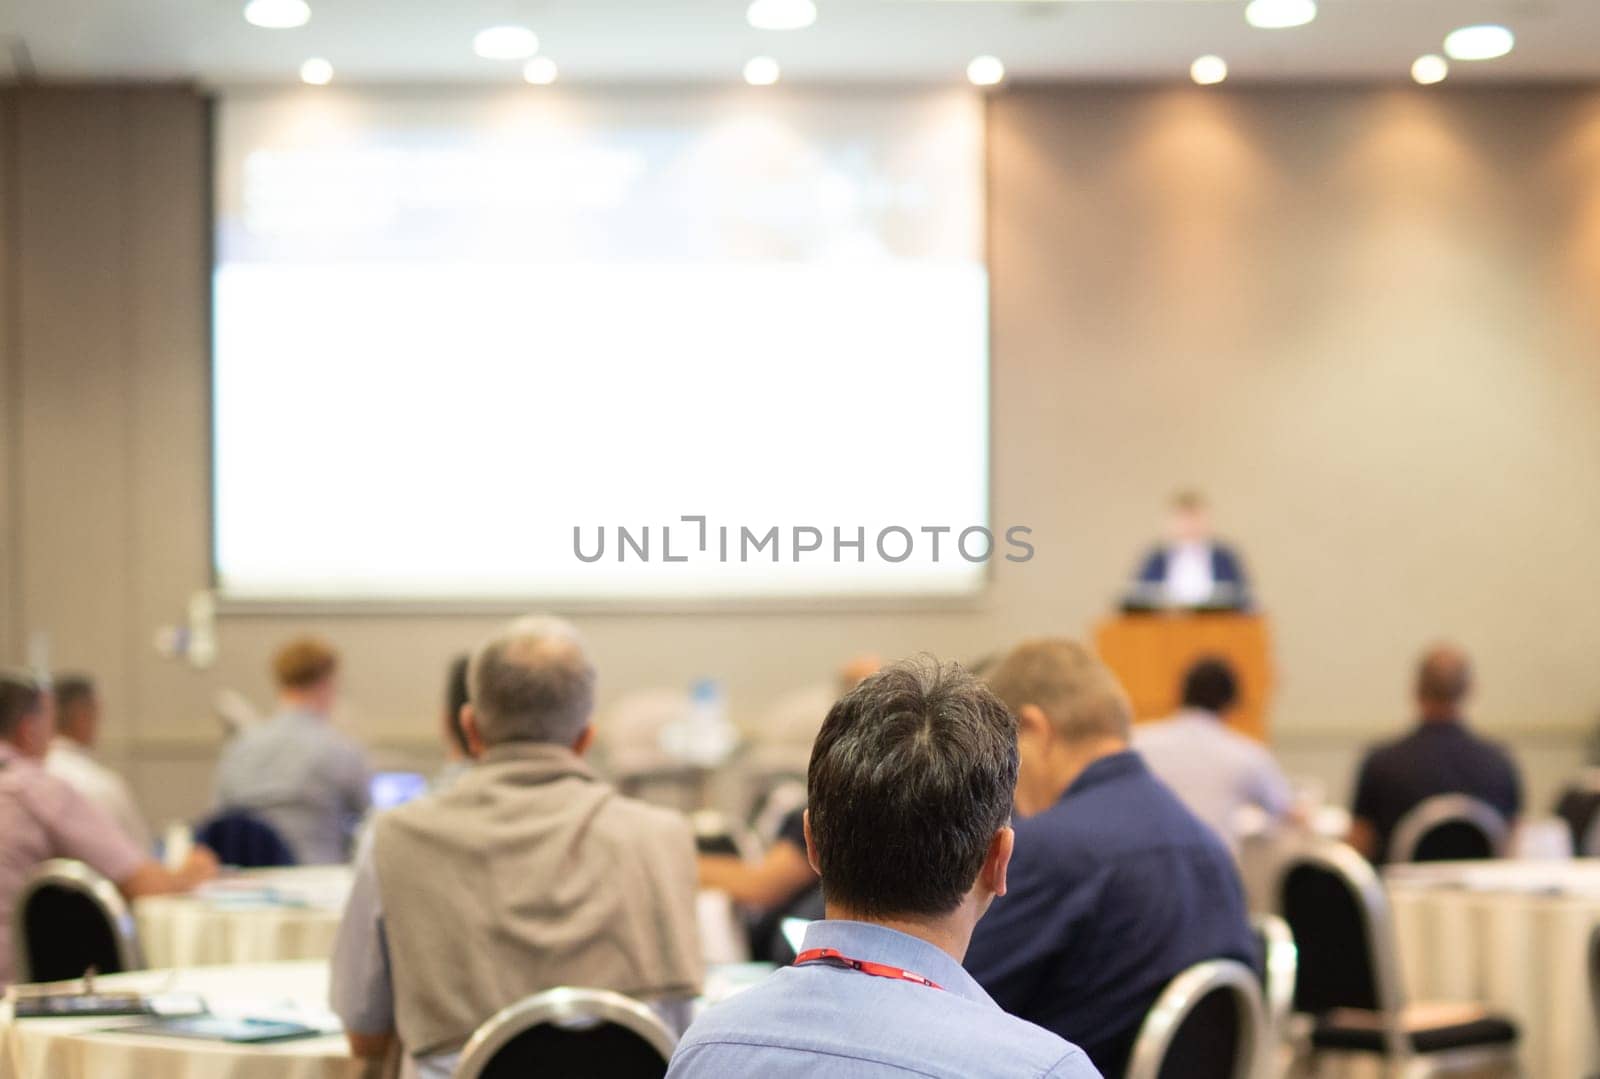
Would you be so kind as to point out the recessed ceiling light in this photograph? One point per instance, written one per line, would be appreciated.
(1208, 70)
(761, 71)
(986, 71)
(1484, 42)
(1429, 69)
(541, 71)
(781, 14)
(505, 43)
(316, 72)
(1279, 14)
(277, 14)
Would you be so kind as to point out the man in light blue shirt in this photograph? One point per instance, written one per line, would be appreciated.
(296, 772)
(910, 785)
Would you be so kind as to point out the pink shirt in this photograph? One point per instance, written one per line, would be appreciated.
(43, 818)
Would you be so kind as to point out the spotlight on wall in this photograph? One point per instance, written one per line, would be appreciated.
(1279, 14)
(540, 71)
(986, 71)
(781, 14)
(316, 72)
(1208, 70)
(1429, 69)
(505, 43)
(1486, 42)
(761, 71)
(277, 14)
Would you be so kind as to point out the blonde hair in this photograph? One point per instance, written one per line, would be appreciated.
(1068, 683)
(304, 662)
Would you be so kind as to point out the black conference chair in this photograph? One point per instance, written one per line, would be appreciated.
(1579, 806)
(1207, 1024)
(239, 837)
(1280, 959)
(569, 1034)
(1449, 828)
(69, 919)
(1348, 978)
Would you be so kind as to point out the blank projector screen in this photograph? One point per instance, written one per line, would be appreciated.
(509, 345)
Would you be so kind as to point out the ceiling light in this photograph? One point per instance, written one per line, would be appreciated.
(316, 72)
(761, 71)
(781, 14)
(1208, 70)
(541, 71)
(1478, 42)
(1279, 14)
(277, 14)
(986, 71)
(1429, 69)
(505, 43)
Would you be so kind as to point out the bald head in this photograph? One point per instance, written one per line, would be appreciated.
(533, 683)
(1444, 678)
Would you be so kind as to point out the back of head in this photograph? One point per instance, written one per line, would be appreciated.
(75, 698)
(304, 664)
(1444, 678)
(455, 696)
(1065, 681)
(911, 776)
(1210, 685)
(533, 683)
(21, 696)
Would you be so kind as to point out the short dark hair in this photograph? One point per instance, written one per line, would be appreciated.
(1210, 684)
(455, 695)
(912, 774)
(20, 697)
(72, 690)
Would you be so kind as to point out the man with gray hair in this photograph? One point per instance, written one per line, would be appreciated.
(1115, 886)
(525, 874)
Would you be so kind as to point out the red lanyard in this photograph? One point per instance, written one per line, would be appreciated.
(877, 970)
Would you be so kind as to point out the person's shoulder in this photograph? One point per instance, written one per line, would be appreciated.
(1038, 1049)
(648, 823)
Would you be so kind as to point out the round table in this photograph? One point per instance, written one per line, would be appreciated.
(92, 1047)
(250, 916)
(1512, 935)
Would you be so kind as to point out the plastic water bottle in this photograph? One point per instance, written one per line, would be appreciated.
(711, 737)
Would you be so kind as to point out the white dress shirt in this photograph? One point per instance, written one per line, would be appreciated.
(1190, 582)
(1214, 770)
(75, 766)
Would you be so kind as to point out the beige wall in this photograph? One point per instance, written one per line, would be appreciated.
(1367, 321)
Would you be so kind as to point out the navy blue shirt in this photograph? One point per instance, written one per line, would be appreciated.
(1436, 758)
(1112, 892)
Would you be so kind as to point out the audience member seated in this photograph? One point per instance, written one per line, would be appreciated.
(1115, 887)
(457, 753)
(910, 795)
(1215, 770)
(72, 757)
(774, 887)
(525, 874)
(1440, 756)
(43, 817)
(296, 772)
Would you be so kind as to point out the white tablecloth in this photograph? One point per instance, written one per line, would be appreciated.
(256, 916)
(46, 1048)
(1513, 936)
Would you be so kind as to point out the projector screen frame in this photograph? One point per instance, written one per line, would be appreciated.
(409, 606)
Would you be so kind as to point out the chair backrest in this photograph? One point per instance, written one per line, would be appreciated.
(784, 794)
(564, 1033)
(714, 833)
(1206, 1024)
(1447, 828)
(68, 918)
(239, 837)
(1338, 913)
(1280, 960)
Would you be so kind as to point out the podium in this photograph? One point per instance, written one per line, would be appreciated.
(1149, 653)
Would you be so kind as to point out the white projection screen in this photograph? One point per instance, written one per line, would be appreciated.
(464, 336)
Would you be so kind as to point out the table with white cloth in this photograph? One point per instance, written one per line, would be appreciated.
(1512, 935)
(272, 915)
(248, 916)
(39, 1048)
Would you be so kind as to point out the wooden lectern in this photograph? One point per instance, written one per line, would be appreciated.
(1150, 653)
